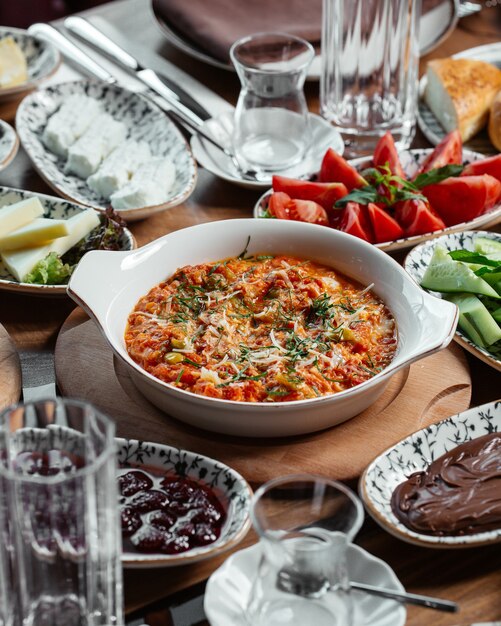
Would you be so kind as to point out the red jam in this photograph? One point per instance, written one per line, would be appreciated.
(166, 513)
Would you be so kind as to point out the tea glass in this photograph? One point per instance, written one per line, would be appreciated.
(60, 542)
(305, 523)
(369, 77)
(271, 124)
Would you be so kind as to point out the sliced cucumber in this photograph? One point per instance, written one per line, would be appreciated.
(488, 247)
(475, 320)
(448, 276)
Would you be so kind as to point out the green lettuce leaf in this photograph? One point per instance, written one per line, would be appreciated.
(49, 271)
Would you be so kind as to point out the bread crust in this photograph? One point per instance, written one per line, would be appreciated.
(494, 127)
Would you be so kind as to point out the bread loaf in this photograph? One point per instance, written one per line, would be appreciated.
(495, 122)
(460, 92)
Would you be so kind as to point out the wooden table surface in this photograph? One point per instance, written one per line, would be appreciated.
(471, 577)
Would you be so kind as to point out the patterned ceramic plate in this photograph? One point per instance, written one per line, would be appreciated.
(9, 144)
(415, 453)
(233, 490)
(416, 263)
(57, 209)
(428, 123)
(411, 159)
(144, 121)
(42, 59)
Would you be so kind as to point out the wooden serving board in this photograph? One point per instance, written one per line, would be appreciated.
(10, 371)
(426, 392)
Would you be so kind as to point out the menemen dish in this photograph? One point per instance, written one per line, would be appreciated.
(261, 329)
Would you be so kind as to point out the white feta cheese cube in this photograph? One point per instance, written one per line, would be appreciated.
(149, 186)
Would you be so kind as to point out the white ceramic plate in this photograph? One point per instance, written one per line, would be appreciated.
(418, 260)
(231, 488)
(414, 454)
(428, 123)
(228, 589)
(324, 136)
(435, 26)
(54, 208)
(9, 144)
(411, 159)
(42, 59)
(144, 121)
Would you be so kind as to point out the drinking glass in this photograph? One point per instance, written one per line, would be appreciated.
(304, 523)
(369, 78)
(271, 125)
(60, 543)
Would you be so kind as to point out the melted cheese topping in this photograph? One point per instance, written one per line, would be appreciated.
(262, 329)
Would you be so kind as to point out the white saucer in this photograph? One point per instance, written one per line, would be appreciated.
(215, 161)
(228, 588)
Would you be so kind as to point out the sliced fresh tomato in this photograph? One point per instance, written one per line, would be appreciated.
(326, 194)
(384, 226)
(461, 199)
(417, 218)
(335, 169)
(278, 205)
(355, 222)
(307, 211)
(491, 166)
(386, 154)
(449, 151)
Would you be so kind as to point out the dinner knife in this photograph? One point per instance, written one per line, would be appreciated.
(182, 102)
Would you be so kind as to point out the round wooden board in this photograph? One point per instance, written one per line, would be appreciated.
(426, 392)
(10, 371)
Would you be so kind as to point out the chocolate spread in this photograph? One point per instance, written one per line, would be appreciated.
(459, 493)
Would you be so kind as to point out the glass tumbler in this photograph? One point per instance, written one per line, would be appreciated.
(369, 77)
(60, 541)
(271, 125)
(304, 523)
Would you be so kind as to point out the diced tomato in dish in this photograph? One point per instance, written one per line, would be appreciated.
(307, 211)
(278, 205)
(386, 154)
(355, 222)
(325, 194)
(335, 169)
(462, 199)
(384, 226)
(417, 218)
(449, 151)
(491, 166)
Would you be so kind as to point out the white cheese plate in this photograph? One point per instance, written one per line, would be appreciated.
(9, 144)
(144, 121)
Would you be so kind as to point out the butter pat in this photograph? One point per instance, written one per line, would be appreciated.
(40, 231)
(102, 136)
(16, 215)
(13, 67)
(149, 186)
(21, 262)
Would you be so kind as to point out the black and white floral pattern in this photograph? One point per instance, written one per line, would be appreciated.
(414, 454)
(229, 485)
(144, 122)
(418, 260)
(54, 208)
(9, 144)
(42, 59)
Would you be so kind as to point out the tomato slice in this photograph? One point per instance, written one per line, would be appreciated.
(461, 199)
(307, 211)
(355, 222)
(325, 194)
(384, 226)
(335, 169)
(278, 205)
(386, 154)
(491, 166)
(448, 151)
(417, 217)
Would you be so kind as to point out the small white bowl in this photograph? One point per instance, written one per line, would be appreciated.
(108, 287)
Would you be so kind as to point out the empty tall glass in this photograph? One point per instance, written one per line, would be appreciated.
(60, 541)
(369, 79)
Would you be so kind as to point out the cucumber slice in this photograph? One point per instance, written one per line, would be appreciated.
(454, 276)
(488, 247)
(475, 320)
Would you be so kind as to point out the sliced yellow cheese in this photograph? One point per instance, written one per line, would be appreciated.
(19, 214)
(13, 67)
(21, 262)
(40, 231)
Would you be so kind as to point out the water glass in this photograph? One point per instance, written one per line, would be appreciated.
(60, 541)
(369, 78)
(271, 125)
(305, 524)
